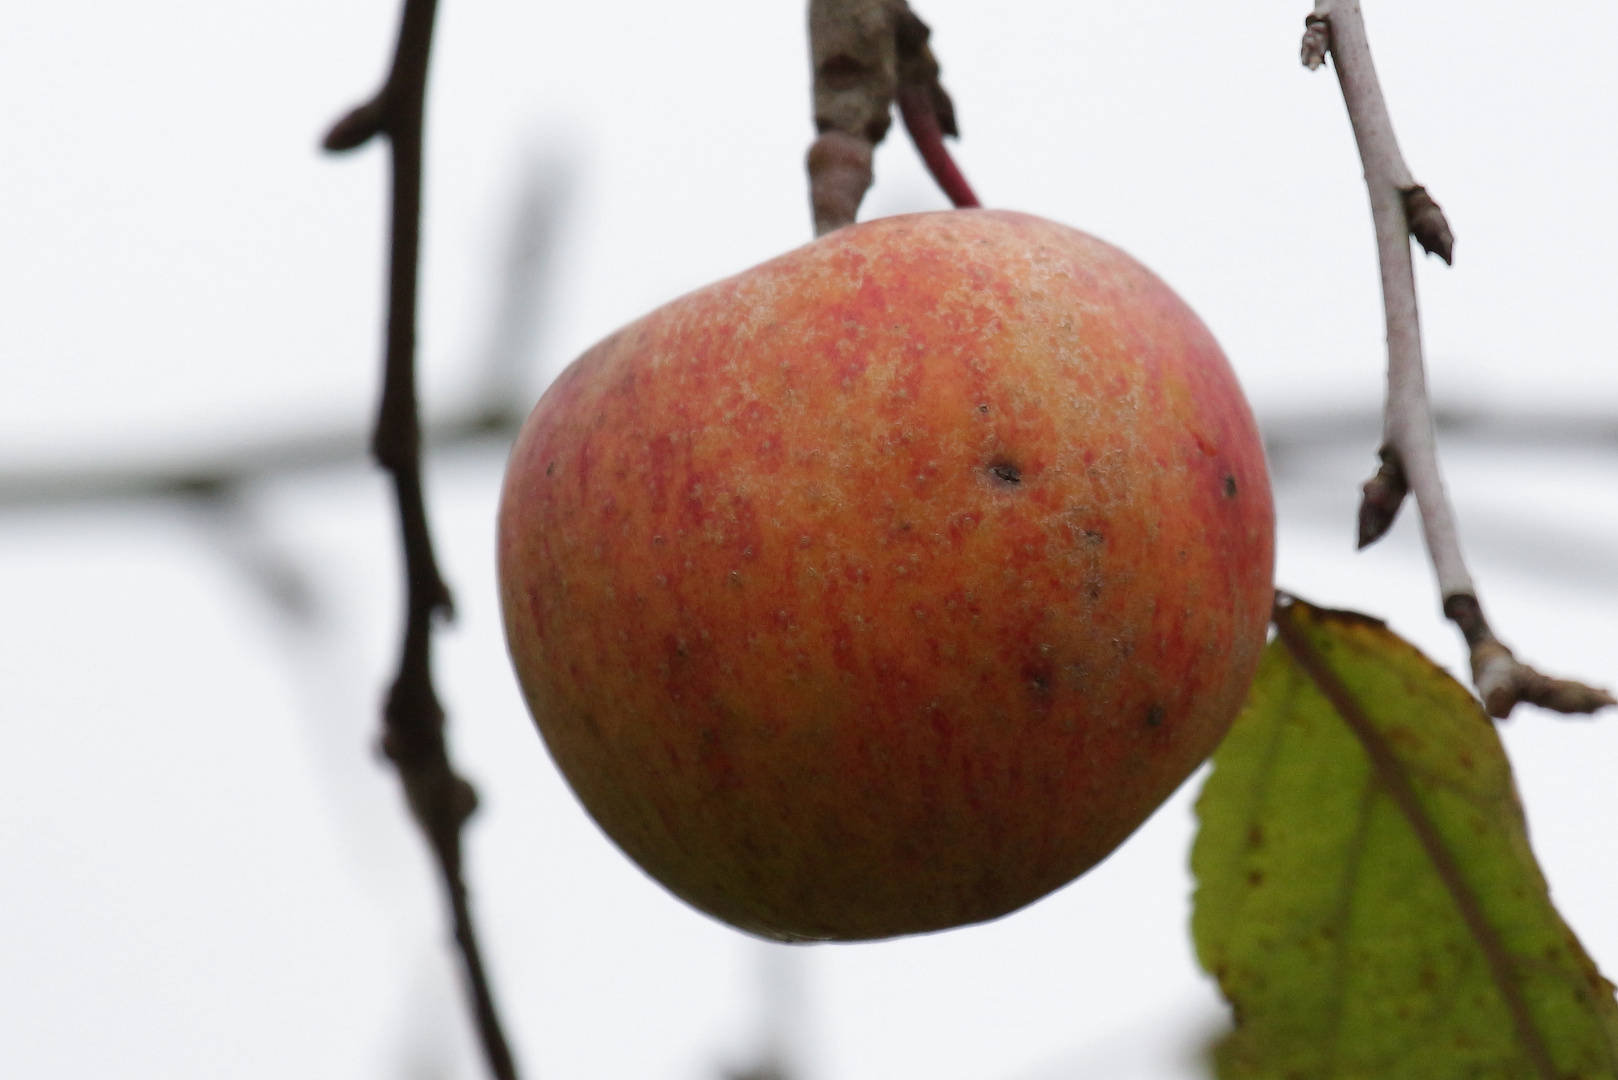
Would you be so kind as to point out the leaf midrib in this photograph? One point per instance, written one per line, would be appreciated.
(1393, 777)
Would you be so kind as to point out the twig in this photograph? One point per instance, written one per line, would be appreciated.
(413, 720)
(250, 461)
(1401, 208)
(866, 53)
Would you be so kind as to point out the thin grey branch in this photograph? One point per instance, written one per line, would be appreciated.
(1400, 206)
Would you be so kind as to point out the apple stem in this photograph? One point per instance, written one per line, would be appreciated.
(413, 720)
(866, 53)
(1400, 209)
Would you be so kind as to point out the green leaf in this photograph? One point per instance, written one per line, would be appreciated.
(1366, 895)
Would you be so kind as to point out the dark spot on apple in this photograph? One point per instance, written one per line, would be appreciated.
(1154, 716)
(1230, 486)
(1255, 877)
(1005, 472)
(983, 408)
(550, 468)
(1039, 675)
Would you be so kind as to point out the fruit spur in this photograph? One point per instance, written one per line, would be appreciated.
(891, 584)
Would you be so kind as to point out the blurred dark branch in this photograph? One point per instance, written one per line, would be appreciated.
(492, 418)
(766, 1071)
(413, 720)
(506, 392)
(277, 577)
(781, 1002)
(237, 467)
(1289, 434)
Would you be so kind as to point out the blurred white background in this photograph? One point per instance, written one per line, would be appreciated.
(204, 869)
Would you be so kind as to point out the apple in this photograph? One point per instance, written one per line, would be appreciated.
(889, 585)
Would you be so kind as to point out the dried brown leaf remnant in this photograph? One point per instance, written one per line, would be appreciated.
(1381, 497)
(1428, 224)
(413, 720)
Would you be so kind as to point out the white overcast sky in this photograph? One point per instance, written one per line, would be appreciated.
(204, 872)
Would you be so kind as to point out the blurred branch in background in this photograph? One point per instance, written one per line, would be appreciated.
(218, 490)
(781, 1018)
(501, 393)
(1287, 437)
(492, 415)
(1312, 452)
(505, 390)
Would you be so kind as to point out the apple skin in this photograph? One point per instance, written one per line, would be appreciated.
(889, 585)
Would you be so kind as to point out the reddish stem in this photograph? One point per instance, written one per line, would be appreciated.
(916, 106)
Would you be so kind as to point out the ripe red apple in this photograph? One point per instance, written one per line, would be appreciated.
(891, 584)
